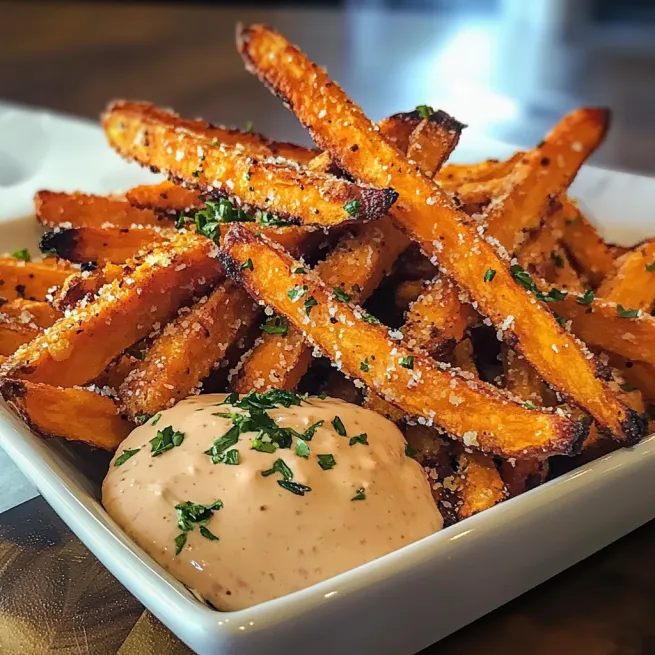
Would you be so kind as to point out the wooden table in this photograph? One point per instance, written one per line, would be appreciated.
(502, 79)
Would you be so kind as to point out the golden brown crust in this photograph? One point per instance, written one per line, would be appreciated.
(165, 197)
(102, 245)
(34, 312)
(14, 333)
(73, 414)
(479, 485)
(31, 280)
(84, 210)
(428, 216)
(155, 138)
(187, 350)
(453, 176)
(79, 346)
(497, 424)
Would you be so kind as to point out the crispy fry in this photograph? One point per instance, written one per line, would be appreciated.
(591, 255)
(633, 285)
(535, 253)
(438, 319)
(102, 244)
(521, 475)
(165, 197)
(78, 347)
(288, 192)
(83, 210)
(600, 325)
(31, 280)
(377, 404)
(356, 266)
(479, 486)
(497, 425)
(429, 217)
(114, 375)
(636, 374)
(453, 176)
(31, 311)
(14, 333)
(562, 274)
(543, 173)
(74, 414)
(187, 350)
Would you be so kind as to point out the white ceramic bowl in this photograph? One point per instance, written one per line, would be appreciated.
(399, 603)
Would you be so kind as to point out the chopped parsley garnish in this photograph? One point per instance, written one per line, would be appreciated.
(359, 438)
(370, 319)
(196, 173)
(524, 279)
(407, 362)
(322, 396)
(230, 399)
(489, 275)
(339, 427)
(23, 254)
(359, 495)
(650, 267)
(207, 534)
(341, 295)
(180, 542)
(424, 111)
(165, 440)
(309, 303)
(231, 457)
(269, 399)
(279, 466)
(628, 388)
(309, 433)
(626, 313)
(410, 451)
(190, 514)
(557, 259)
(586, 298)
(208, 220)
(141, 417)
(299, 269)
(270, 220)
(263, 446)
(275, 325)
(294, 487)
(353, 207)
(229, 439)
(363, 365)
(302, 449)
(125, 455)
(247, 265)
(326, 462)
(250, 127)
(297, 292)
(156, 419)
(529, 405)
(180, 222)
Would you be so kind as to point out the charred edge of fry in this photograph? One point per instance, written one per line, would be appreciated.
(634, 427)
(62, 242)
(438, 117)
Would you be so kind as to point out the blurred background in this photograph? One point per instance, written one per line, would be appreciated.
(508, 68)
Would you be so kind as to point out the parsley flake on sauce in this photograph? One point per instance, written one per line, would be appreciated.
(125, 455)
(359, 438)
(339, 427)
(359, 495)
(165, 440)
(190, 514)
(326, 462)
(281, 467)
(294, 487)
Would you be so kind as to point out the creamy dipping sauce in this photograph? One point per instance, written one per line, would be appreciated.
(366, 500)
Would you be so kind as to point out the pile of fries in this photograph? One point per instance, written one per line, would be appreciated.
(473, 305)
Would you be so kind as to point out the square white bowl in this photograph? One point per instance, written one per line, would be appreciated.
(399, 603)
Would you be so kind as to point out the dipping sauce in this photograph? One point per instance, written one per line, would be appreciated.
(344, 495)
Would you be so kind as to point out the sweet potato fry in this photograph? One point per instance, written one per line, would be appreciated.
(103, 244)
(610, 327)
(79, 346)
(378, 404)
(535, 255)
(590, 254)
(543, 173)
(73, 414)
(453, 176)
(408, 378)
(356, 267)
(31, 280)
(186, 351)
(633, 285)
(31, 311)
(154, 138)
(429, 217)
(479, 486)
(83, 210)
(14, 333)
(438, 319)
(562, 274)
(114, 375)
(407, 292)
(165, 197)
(636, 374)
